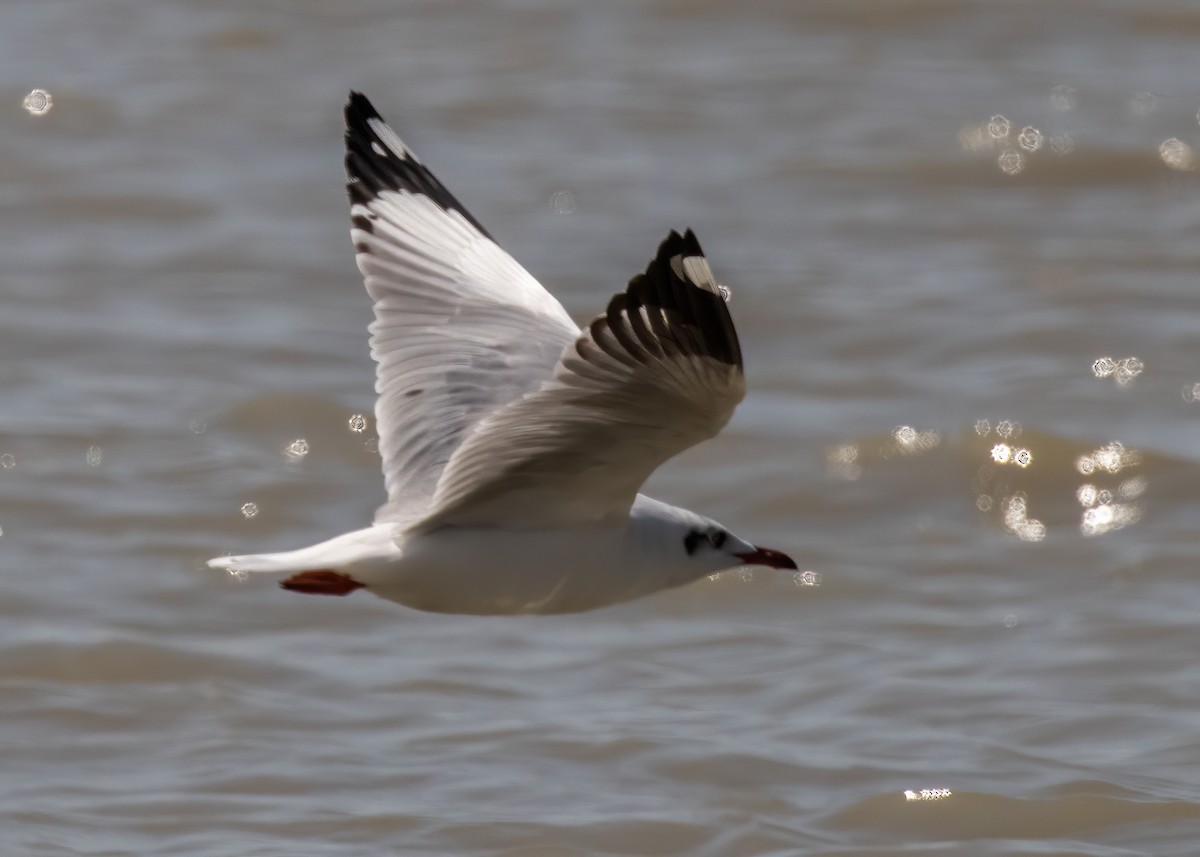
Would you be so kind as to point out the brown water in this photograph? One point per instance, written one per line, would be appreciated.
(1006, 605)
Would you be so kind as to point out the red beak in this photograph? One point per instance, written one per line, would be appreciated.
(767, 557)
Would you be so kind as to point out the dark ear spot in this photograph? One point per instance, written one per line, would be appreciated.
(691, 540)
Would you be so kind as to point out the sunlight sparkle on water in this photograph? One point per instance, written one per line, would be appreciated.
(1011, 162)
(926, 794)
(94, 456)
(910, 441)
(562, 202)
(842, 461)
(1008, 428)
(1191, 392)
(38, 102)
(249, 510)
(1018, 522)
(998, 127)
(1112, 457)
(1132, 488)
(1122, 371)
(8, 461)
(806, 578)
(1108, 517)
(1177, 154)
(297, 449)
(357, 423)
(1030, 139)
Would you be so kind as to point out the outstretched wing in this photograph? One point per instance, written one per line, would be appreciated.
(660, 371)
(460, 328)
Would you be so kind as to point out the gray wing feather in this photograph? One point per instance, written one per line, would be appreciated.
(460, 328)
(660, 371)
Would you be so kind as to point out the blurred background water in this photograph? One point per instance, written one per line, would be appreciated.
(961, 241)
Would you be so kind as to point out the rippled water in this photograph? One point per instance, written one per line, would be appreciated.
(961, 241)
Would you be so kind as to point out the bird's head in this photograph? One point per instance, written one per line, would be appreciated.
(712, 545)
(699, 546)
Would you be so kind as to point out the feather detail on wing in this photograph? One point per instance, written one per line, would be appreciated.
(660, 371)
(460, 328)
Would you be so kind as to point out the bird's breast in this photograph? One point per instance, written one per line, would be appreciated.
(486, 571)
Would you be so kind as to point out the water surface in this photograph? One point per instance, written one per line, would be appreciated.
(937, 216)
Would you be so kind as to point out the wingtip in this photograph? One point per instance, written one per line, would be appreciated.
(377, 160)
(359, 105)
(679, 245)
(668, 283)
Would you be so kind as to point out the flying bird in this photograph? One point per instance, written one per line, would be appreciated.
(513, 443)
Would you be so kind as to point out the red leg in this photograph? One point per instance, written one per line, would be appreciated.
(321, 582)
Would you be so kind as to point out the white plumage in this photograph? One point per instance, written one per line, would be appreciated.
(513, 443)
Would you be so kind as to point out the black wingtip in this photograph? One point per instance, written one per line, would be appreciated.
(695, 305)
(378, 161)
(679, 245)
(360, 108)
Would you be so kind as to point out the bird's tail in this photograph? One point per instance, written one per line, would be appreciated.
(334, 567)
(269, 562)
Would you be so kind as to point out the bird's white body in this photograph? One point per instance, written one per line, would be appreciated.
(514, 443)
(565, 570)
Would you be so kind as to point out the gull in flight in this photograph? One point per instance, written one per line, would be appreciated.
(514, 443)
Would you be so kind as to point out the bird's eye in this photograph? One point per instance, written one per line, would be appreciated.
(691, 540)
(717, 538)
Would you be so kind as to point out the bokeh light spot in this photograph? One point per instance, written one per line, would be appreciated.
(1030, 139)
(38, 102)
(842, 461)
(1127, 370)
(562, 202)
(1011, 162)
(1177, 154)
(1104, 367)
(926, 794)
(1008, 428)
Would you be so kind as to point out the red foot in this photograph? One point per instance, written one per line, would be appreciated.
(321, 582)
